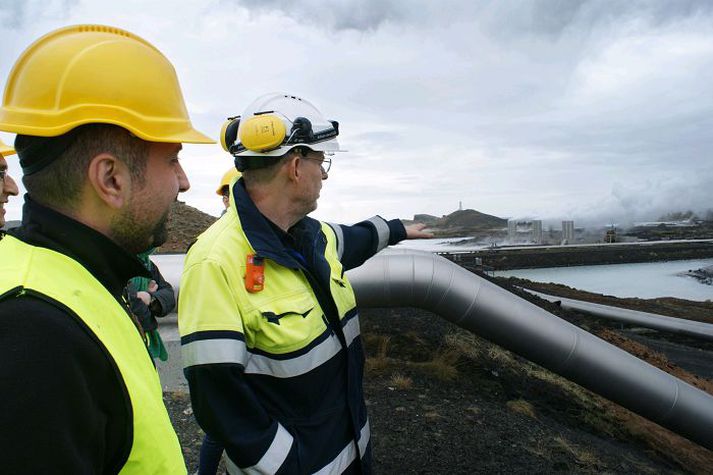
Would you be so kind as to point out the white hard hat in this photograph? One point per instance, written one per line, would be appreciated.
(276, 123)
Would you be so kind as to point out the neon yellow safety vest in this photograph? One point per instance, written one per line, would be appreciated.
(26, 268)
(278, 335)
(287, 295)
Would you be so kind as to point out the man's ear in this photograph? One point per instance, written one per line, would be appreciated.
(294, 172)
(110, 179)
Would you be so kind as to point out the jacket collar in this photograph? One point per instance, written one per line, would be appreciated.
(264, 236)
(109, 263)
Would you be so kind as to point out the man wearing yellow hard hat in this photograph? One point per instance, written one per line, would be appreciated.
(223, 190)
(8, 187)
(100, 119)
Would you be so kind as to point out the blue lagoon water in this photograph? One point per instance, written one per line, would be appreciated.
(646, 280)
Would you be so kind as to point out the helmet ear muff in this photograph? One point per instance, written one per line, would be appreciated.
(261, 133)
(229, 132)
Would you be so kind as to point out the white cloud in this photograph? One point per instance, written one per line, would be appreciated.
(546, 108)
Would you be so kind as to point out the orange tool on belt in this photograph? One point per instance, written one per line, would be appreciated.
(255, 273)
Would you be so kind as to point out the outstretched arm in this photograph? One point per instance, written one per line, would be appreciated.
(416, 231)
(357, 243)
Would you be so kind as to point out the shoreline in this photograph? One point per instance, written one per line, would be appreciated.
(570, 256)
(703, 275)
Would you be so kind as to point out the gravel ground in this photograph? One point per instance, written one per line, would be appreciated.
(444, 401)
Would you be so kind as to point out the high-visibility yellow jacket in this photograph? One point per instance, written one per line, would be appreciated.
(54, 277)
(276, 375)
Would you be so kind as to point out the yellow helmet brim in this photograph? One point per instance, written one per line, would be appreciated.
(89, 74)
(6, 150)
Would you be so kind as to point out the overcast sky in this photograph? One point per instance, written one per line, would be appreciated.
(597, 111)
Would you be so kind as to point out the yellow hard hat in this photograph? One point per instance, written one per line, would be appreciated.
(5, 150)
(87, 74)
(227, 179)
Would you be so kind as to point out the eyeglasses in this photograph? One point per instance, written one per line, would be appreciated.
(324, 163)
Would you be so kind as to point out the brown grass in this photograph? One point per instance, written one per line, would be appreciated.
(582, 456)
(602, 415)
(399, 381)
(379, 361)
(442, 366)
(523, 407)
(432, 415)
(474, 410)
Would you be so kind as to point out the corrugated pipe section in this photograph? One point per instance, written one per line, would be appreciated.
(430, 282)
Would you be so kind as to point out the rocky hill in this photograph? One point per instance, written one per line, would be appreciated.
(184, 226)
(187, 222)
(463, 223)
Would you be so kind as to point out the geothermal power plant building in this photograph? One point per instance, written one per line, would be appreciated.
(567, 232)
(522, 231)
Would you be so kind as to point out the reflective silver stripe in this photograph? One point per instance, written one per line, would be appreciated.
(364, 437)
(219, 350)
(232, 468)
(382, 230)
(317, 356)
(348, 454)
(271, 460)
(340, 238)
(352, 329)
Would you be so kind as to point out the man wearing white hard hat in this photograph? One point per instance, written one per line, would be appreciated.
(269, 326)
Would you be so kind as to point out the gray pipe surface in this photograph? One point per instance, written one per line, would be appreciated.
(171, 268)
(644, 319)
(433, 283)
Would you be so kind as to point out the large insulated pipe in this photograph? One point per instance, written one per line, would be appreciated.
(171, 268)
(430, 282)
(643, 319)
(433, 283)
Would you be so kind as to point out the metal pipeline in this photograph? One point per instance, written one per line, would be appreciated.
(433, 283)
(643, 319)
(430, 282)
(171, 268)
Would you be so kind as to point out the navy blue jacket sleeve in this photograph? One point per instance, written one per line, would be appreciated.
(361, 241)
(165, 301)
(165, 295)
(140, 309)
(227, 408)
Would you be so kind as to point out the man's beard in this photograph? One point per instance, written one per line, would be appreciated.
(129, 232)
(160, 231)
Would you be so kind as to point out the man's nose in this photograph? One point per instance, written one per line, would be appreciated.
(10, 186)
(183, 183)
